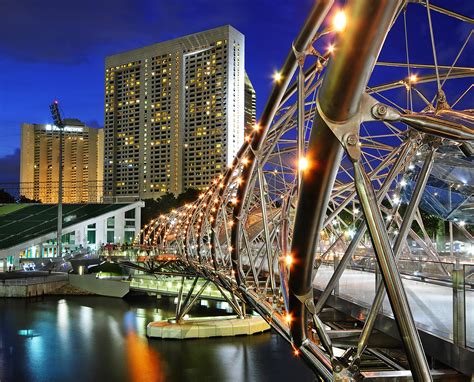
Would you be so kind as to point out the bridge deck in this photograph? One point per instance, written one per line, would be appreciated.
(431, 304)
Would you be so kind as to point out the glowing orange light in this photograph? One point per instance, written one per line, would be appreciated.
(413, 79)
(245, 161)
(330, 48)
(233, 200)
(288, 259)
(303, 164)
(247, 138)
(340, 21)
(277, 77)
(256, 127)
(288, 318)
(296, 352)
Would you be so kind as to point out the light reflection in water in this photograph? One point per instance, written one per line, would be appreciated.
(62, 323)
(86, 325)
(35, 350)
(144, 363)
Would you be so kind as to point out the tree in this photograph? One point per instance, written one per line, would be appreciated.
(190, 195)
(156, 207)
(5, 197)
(24, 199)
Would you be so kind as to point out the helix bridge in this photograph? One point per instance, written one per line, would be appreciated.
(365, 132)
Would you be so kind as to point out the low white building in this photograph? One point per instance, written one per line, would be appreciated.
(29, 230)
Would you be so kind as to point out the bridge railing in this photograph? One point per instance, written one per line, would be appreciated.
(440, 294)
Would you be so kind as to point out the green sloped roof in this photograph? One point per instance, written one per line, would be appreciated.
(8, 208)
(36, 220)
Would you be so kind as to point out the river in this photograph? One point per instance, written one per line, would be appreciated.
(91, 338)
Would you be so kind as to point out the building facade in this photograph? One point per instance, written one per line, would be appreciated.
(82, 162)
(174, 114)
(29, 231)
(250, 118)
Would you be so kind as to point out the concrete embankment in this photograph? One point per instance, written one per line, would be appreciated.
(33, 286)
(207, 327)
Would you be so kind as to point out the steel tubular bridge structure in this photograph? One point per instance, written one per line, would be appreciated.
(324, 171)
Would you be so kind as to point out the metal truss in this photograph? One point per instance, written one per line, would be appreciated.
(323, 173)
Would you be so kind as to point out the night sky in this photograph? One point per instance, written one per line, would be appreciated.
(56, 49)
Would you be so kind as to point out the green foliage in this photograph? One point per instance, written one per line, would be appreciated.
(24, 199)
(156, 207)
(5, 197)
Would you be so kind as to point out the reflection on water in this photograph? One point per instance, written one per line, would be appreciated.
(83, 338)
(143, 362)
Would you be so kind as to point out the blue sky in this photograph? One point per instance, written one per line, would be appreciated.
(56, 49)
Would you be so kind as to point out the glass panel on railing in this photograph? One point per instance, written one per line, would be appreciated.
(357, 283)
(469, 298)
(429, 289)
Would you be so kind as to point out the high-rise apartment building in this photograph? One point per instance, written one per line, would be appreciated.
(83, 162)
(174, 113)
(250, 101)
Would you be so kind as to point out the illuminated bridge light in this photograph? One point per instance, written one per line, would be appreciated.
(277, 76)
(340, 21)
(303, 164)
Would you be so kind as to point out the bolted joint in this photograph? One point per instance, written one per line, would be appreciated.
(352, 140)
(379, 111)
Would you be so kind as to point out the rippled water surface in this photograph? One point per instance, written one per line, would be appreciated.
(78, 338)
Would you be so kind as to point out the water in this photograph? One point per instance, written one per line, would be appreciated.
(84, 338)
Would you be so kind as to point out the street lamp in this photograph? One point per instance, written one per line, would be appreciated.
(58, 122)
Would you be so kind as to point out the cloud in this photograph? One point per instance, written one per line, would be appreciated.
(10, 165)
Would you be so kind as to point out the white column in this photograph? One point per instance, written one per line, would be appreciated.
(138, 220)
(100, 232)
(119, 227)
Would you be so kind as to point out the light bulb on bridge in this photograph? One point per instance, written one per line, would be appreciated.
(340, 21)
(413, 79)
(277, 77)
(303, 164)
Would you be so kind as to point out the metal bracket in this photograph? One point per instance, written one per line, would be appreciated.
(348, 131)
(300, 56)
